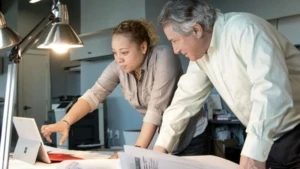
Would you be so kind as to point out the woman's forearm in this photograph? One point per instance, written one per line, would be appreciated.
(78, 111)
(146, 135)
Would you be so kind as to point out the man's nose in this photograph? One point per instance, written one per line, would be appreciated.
(176, 50)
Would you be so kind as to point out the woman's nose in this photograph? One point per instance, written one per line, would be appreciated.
(119, 59)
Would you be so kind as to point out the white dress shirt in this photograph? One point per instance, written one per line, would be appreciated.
(256, 71)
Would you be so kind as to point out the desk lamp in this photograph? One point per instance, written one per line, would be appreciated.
(53, 32)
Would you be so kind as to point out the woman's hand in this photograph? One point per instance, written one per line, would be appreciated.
(114, 156)
(61, 127)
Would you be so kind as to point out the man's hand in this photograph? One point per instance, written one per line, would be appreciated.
(160, 149)
(249, 163)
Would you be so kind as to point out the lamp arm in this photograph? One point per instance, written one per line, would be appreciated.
(15, 56)
(31, 38)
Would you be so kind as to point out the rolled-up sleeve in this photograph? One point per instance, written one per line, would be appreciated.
(193, 89)
(105, 84)
(167, 73)
(271, 92)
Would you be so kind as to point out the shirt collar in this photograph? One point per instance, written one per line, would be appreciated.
(147, 60)
(217, 31)
(145, 65)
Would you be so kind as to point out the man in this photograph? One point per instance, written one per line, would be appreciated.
(254, 68)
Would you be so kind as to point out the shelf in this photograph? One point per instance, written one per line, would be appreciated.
(224, 121)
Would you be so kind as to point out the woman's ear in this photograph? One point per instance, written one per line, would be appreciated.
(144, 47)
(198, 31)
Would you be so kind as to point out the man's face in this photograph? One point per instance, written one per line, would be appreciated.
(191, 46)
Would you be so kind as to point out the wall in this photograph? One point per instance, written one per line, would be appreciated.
(268, 9)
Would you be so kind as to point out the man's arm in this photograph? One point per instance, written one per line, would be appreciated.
(261, 49)
(193, 89)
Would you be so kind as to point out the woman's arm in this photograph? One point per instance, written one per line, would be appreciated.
(78, 111)
(167, 73)
(106, 83)
(147, 132)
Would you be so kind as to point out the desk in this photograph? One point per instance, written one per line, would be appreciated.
(87, 155)
(108, 151)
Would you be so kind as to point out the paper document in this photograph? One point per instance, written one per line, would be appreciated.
(137, 158)
(90, 164)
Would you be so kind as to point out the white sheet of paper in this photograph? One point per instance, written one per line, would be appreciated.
(137, 158)
(90, 164)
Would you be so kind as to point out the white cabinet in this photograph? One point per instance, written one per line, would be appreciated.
(96, 45)
(98, 18)
(103, 14)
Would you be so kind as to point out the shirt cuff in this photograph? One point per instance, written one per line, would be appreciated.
(153, 117)
(167, 141)
(256, 148)
(91, 99)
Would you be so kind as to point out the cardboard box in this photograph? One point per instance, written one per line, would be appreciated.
(219, 146)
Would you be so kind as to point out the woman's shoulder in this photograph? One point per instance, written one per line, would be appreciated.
(163, 56)
(162, 49)
(163, 52)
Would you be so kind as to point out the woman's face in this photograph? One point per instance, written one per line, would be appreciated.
(129, 55)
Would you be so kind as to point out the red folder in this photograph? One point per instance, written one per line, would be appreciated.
(59, 157)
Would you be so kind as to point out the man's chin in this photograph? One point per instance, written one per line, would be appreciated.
(194, 58)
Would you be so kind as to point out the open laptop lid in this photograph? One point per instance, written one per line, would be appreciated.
(30, 144)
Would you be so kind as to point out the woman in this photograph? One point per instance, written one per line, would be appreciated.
(148, 75)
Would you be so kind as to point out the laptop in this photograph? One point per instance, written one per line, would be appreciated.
(30, 146)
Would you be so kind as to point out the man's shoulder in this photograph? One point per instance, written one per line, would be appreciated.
(240, 19)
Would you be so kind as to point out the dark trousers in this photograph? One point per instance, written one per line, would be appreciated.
(198, 146)
(285, 152)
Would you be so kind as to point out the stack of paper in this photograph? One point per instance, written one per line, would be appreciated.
(137, 158)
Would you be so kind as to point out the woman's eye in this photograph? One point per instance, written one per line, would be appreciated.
(124, 53)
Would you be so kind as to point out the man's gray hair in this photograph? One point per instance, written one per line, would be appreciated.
(184, 14)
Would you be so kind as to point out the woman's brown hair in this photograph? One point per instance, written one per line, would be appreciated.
(138, 31)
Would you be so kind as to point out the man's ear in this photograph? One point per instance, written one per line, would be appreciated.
(198, 31)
